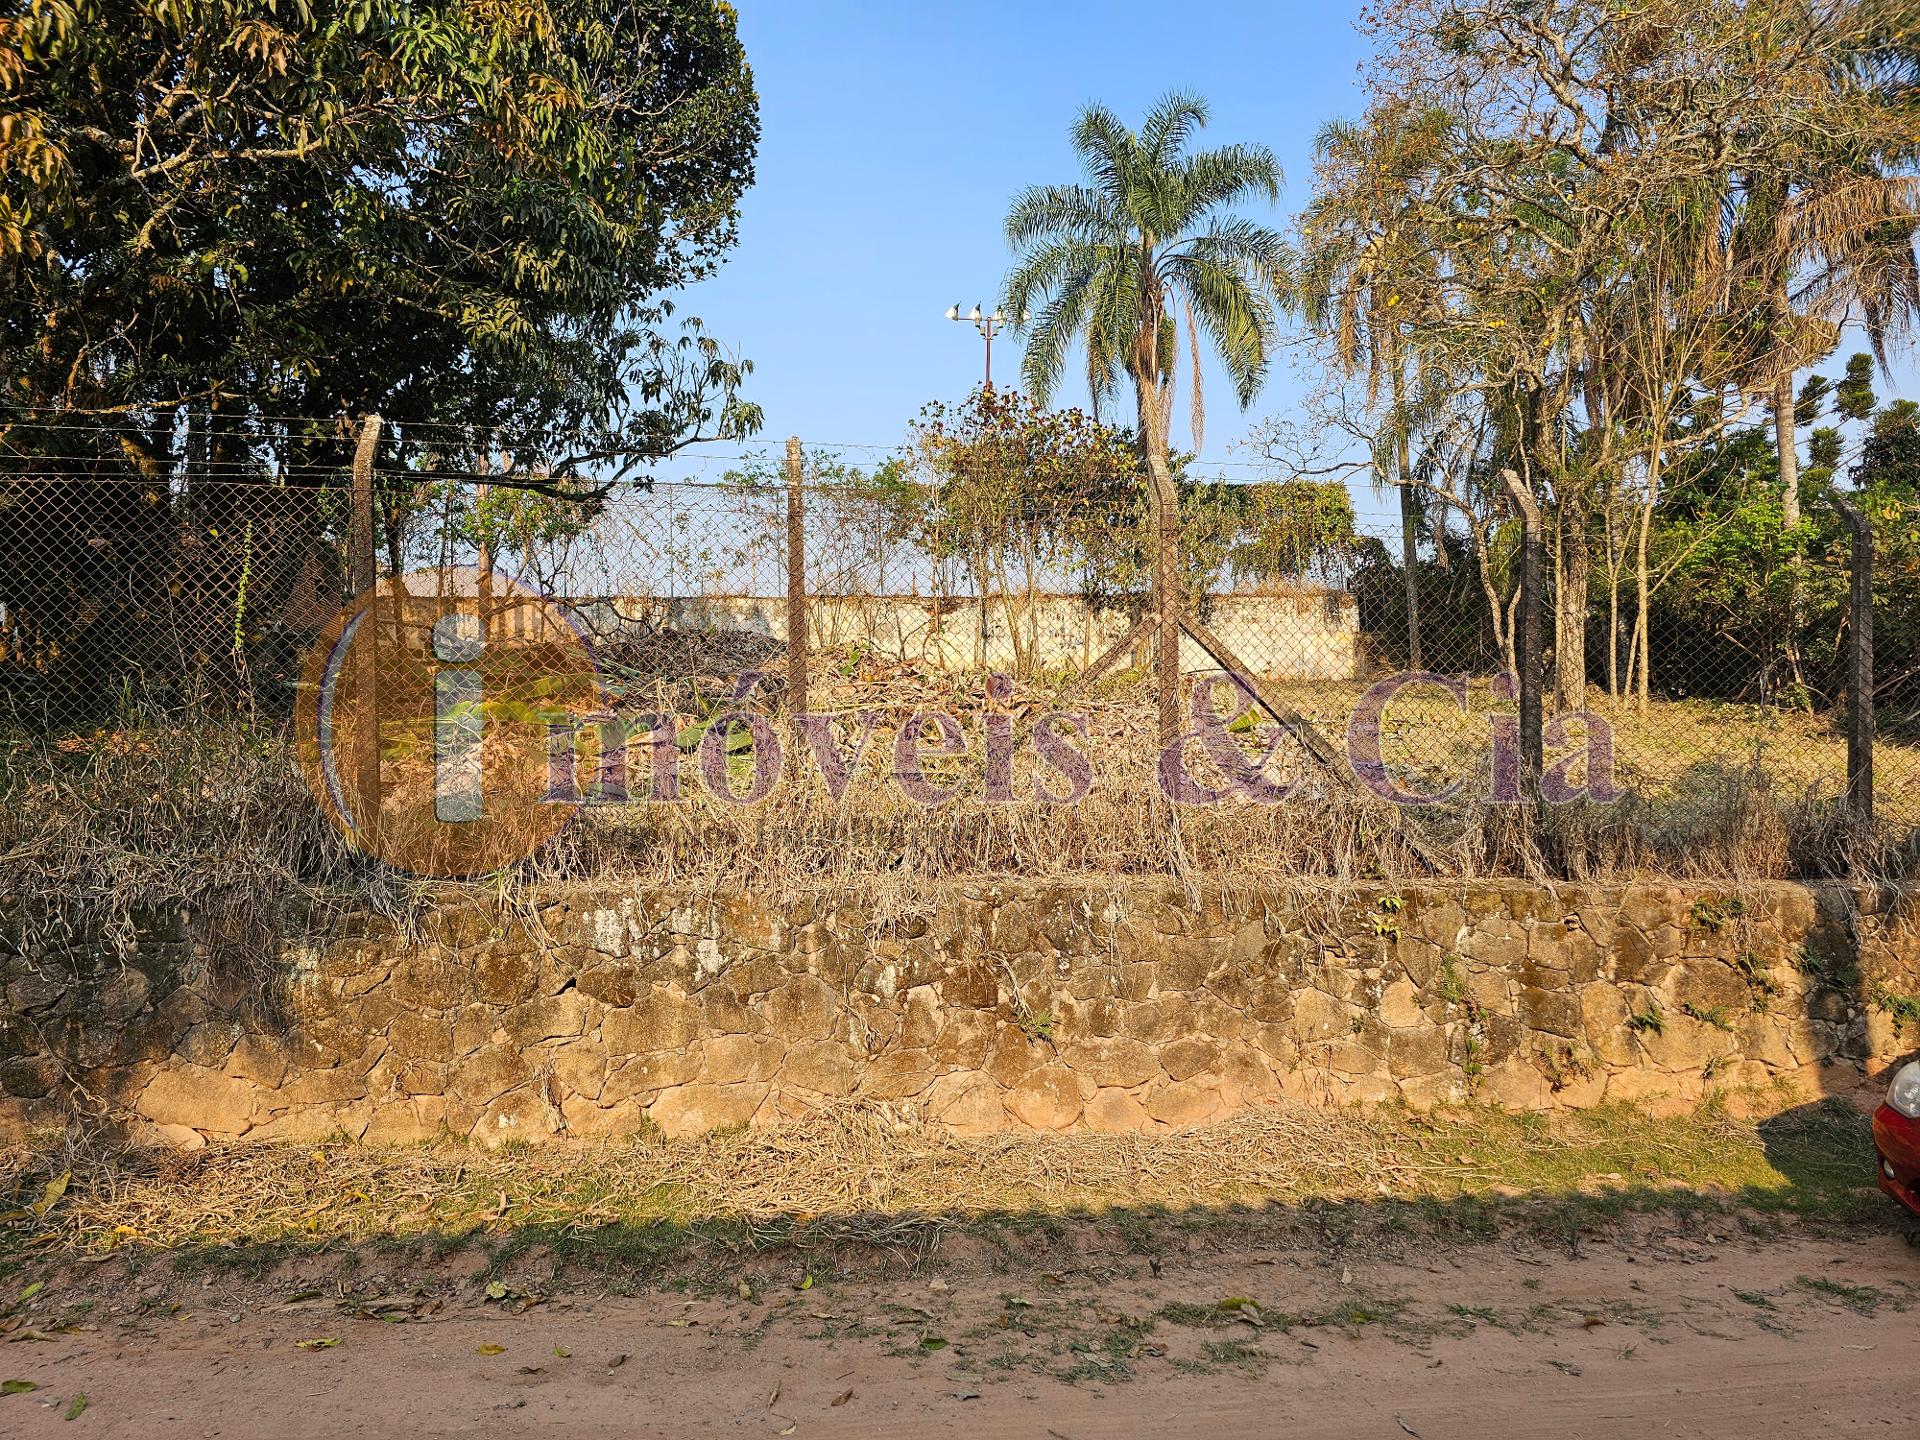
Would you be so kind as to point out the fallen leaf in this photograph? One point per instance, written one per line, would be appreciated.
(491, 1350)
(745, 1290)
(617, 1362)
(789, 1430)
(774, 1397)
(966, 1394)
(319, 1342)
(562, 1351)
(841, 1398)
(933, 1342)
(56, 1187)
(74, 1410)
(17, 1387)
(806, 1283)
(32, 1290)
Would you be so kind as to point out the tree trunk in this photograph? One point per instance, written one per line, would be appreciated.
(1789, 454)
(1788, 448)
(1409, 520)
(1613, 630)
(1643, 636)
(1410, 566)
(1572, 564)
(1166, 570)
(1570, 609)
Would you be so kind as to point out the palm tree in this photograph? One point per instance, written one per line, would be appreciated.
(1114, 262)
(1833, 221)
(1841, 244)
(1360, 252)
(1834, 212)
(1108, 263)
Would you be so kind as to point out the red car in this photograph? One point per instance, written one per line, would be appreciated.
(1896, 1135)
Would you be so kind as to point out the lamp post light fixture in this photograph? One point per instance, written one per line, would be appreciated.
(988, 326)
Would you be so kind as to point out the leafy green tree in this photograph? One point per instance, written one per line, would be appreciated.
(1016, 493)
(1812, 400)
(1887, 478)
(443, 211)
(1823, 451)
(1853, 397)
(1895, 418)
(225, 226)
(1287, 530)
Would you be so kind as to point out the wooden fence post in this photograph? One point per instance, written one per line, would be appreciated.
(361, 544)
(366, 759)
(1860, 720)
(797, 642)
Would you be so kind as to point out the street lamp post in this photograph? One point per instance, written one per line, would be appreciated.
(988, 326)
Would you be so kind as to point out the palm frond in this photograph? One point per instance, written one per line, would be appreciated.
(1100, 262)
(1041, 211)
(1236, 315)
(1197, 412)
(1169, 125)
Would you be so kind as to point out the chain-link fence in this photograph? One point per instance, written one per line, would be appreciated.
(1317, 656)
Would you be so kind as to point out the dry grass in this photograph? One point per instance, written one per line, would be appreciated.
(101, 833)
(863, 1165)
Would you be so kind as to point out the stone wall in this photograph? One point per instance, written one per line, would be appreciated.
(1051, 1007)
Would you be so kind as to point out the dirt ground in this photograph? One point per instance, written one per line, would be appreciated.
(1700, 1326)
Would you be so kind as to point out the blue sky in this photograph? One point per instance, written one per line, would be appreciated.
(894, 135)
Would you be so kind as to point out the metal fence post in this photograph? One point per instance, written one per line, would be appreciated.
(1860, 723)
(1529, 657)
(366, 759)
(796, 581)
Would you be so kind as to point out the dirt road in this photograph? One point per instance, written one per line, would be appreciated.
(1705, 1331)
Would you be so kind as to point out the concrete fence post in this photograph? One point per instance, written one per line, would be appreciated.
(797, 640)
(1860, 719)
